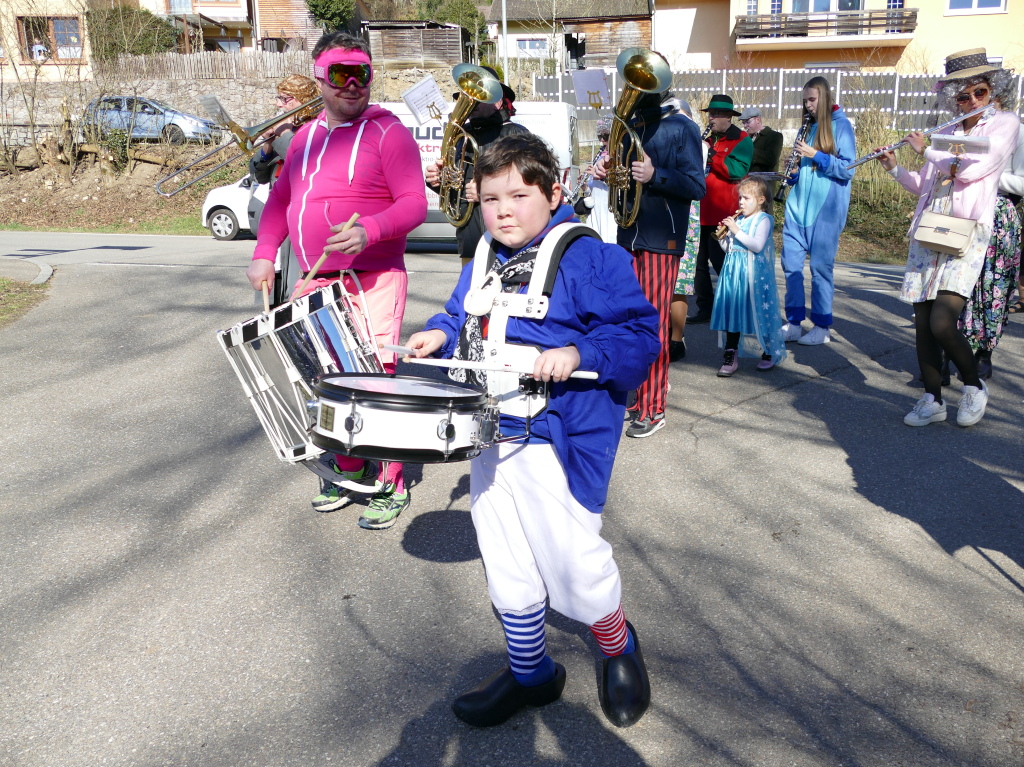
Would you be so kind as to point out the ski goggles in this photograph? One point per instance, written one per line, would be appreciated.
(340, 68)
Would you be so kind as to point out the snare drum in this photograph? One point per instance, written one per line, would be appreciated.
(280, 356)
(402, 418)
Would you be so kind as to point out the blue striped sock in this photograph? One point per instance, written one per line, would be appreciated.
(527, 651)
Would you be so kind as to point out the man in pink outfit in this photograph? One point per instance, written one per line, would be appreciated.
(354, 158)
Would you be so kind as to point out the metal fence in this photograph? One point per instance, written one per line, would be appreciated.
(776, 92)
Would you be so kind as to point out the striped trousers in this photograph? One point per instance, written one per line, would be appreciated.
(657, 274)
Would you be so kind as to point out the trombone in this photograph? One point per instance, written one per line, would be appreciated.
(247, 140)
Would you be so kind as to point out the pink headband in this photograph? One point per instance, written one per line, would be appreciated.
(338, 56)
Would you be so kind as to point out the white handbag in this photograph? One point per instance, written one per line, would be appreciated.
(940, 232)
(945, 234)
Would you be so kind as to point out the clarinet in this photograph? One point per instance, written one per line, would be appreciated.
(794, 158)
(711, 149)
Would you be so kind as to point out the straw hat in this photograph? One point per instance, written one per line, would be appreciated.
(969, 63)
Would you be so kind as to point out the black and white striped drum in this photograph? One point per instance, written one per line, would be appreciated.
(279, 356)
(402, 418)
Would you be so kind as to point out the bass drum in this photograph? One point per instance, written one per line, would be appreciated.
(408, 419)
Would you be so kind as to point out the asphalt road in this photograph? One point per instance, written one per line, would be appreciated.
(813, 582)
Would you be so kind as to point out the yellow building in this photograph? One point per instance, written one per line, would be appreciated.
(866, 34)
(42, 39)
(880, 34)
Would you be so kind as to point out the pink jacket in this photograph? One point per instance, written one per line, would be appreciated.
(977, 180)
(370, 166)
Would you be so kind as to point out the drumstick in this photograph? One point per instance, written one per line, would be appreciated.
(469, 365)
(266, 298)
(320, 261)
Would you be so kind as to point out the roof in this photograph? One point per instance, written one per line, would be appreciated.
(407, 24)
(538, 10)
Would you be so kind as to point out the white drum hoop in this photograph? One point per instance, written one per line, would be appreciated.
(280, 356)
(409, 419)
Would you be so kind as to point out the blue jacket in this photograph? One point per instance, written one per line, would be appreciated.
(672, 141)
(597, 305)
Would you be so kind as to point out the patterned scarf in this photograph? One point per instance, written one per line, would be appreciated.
(514, 273)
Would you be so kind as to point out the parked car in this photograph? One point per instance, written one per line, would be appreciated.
(148, 119)
(226, 209)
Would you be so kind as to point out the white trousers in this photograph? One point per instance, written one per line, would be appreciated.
(537, 540)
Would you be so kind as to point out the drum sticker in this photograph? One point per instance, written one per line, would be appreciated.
(326, 417)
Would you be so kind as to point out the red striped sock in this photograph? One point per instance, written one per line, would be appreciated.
(611, 633)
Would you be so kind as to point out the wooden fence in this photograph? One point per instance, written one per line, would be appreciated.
(209, 65)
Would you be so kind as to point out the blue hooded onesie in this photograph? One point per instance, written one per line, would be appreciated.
(815, 215)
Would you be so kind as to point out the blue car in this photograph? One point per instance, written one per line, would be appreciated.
(148, 119)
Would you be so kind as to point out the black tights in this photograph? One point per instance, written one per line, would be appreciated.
(936, 328)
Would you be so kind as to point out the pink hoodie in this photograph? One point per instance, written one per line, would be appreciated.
(977, 180)
(370, 166)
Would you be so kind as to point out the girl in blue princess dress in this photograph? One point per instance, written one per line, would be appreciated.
(747, 300)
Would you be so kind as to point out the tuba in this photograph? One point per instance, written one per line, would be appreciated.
(642, 71)
(476, 85)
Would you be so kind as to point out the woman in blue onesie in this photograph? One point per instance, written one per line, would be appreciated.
(816, 213)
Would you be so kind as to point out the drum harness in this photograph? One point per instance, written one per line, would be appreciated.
(510, 393)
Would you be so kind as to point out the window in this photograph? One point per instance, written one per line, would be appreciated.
(964, 7)
(776, 6)
(50, 40)
(533, 47)
(751, 7)
(826, 6)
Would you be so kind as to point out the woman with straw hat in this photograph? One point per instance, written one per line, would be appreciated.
(939, 284)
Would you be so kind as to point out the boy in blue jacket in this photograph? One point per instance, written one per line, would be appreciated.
(536, 503)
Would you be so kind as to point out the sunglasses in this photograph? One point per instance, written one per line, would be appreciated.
(978, 94)
(341, 75)
(283, 99)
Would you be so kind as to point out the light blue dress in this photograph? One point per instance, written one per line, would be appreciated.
(747, 298)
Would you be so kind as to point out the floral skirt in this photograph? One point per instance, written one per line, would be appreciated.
(929, 271)
(988, 307)
(688, 261)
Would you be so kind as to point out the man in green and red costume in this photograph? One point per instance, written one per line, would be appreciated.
(729, 155)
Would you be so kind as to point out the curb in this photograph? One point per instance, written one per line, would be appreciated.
(45, 272)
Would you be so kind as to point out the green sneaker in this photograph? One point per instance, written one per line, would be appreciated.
(333, 497)
(384, 508)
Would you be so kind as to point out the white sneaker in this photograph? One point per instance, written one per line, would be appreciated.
(815, 337)
(926, 411)
(791, 332)
(972, 405)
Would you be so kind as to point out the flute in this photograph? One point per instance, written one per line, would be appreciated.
(723, 231)
(892, 147)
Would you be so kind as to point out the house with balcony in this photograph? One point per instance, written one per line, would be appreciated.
(873, 35)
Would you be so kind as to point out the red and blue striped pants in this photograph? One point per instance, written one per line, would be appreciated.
(657, 274)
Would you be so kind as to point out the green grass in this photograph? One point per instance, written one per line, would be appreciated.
(173, 225)
(16, 298)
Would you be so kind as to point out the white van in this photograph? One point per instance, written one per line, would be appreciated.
(555, 122)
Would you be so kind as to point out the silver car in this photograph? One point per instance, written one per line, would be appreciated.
(148, 119)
